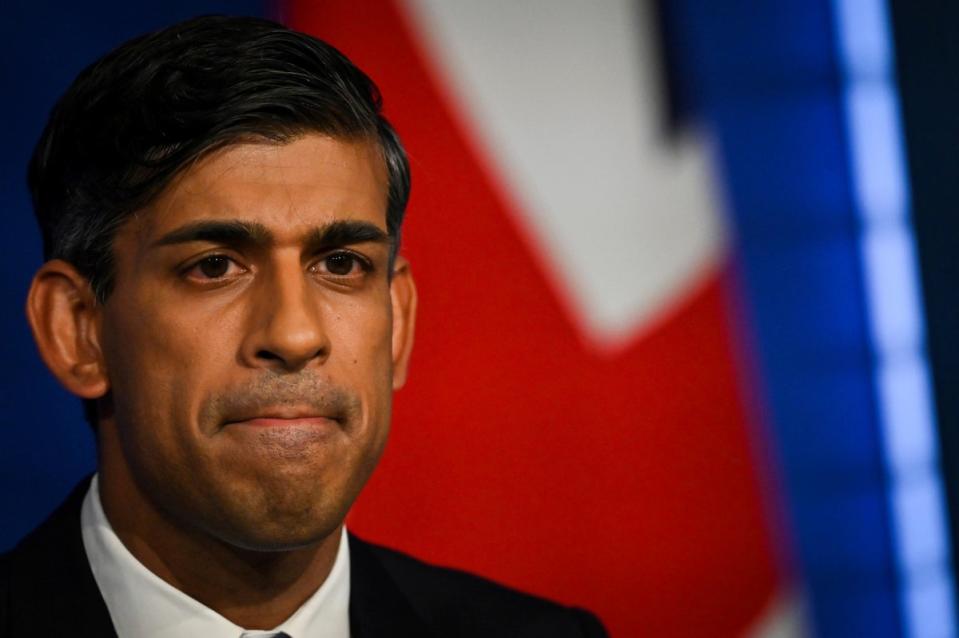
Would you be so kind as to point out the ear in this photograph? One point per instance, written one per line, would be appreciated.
(64, 318)
(403, 298)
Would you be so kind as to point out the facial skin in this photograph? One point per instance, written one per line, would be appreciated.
(245, 363)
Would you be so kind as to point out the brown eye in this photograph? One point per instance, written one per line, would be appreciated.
(214, 266)
(340, 264)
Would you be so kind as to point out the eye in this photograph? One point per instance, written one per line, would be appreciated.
(343, 264)
(213, 267)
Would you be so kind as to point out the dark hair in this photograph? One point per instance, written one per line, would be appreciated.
(137, 117)
(141, 114)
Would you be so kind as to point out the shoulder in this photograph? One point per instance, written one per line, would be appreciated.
(454, 602)
(46, 581)
(37, 558)
(4, 596)
(54, 545)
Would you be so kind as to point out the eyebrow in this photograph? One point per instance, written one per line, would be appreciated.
(237, 232)
(345, 232)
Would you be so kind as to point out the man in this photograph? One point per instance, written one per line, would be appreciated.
(221, 204)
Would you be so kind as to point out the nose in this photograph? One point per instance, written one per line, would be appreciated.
(288, 332)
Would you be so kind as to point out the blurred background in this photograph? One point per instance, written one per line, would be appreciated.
(686, 349)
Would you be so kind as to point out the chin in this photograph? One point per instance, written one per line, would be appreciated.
(273, 515)
(277, 531)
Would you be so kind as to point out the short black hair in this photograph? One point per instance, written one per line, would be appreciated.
(137, 117)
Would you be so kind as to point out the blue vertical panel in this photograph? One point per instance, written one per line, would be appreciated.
(907, 417)
(765, 77)
(43, 45)
(925, 58)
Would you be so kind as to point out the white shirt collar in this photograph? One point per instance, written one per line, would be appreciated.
(142, 605)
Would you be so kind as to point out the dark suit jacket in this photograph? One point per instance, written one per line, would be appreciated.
(47, 589)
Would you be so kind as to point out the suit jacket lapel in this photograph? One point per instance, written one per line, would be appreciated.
(377, 606)
(57, 595)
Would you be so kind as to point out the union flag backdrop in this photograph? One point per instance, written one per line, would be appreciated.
(575, 423)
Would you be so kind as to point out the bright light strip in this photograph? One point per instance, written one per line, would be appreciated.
(906, 411)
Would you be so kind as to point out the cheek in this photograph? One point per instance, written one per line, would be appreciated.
(366, 340)
(361, 356)
(161, 362)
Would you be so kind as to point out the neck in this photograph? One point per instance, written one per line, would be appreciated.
(252, 589)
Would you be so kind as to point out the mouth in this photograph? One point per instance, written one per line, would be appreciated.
(278, 422)
(285, 417)
(289, 433)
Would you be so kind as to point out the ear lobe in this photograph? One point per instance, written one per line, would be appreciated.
(64, 318)
(403, 298)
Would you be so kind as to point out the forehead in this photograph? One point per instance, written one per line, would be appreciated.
(289, 187)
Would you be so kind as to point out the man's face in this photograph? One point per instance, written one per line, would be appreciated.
(249, 341)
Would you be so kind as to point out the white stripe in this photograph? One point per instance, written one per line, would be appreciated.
(784, 617)
(563, 96)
